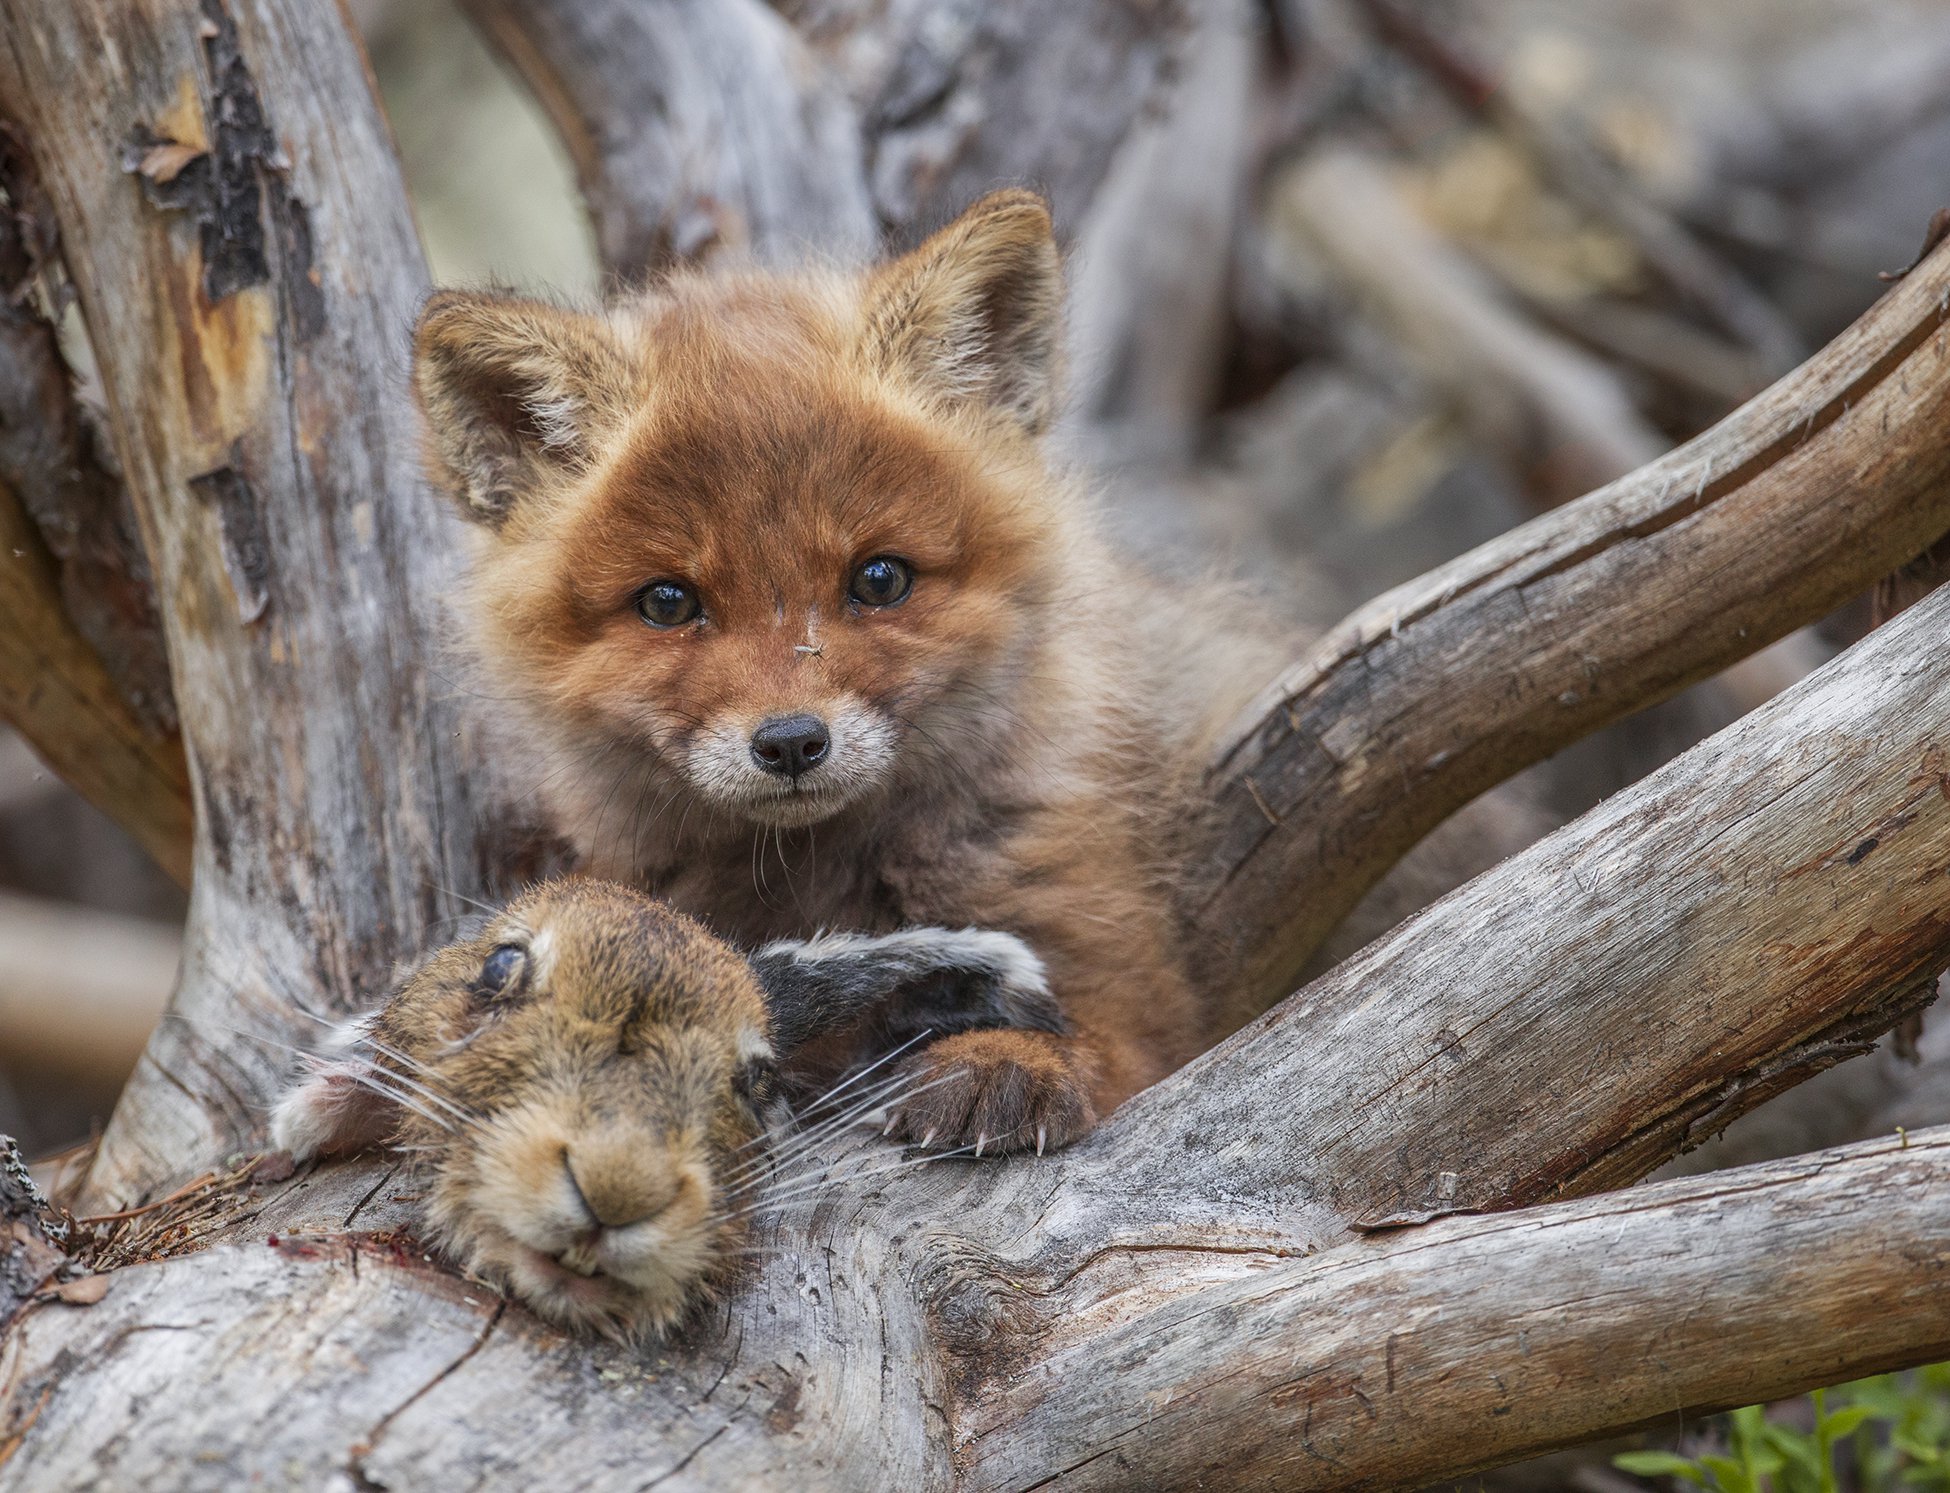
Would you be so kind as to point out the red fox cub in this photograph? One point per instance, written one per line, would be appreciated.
(809, 633)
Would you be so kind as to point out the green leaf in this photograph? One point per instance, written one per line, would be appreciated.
(1729, 1475)
(1844, 1421)
(1659, 1464)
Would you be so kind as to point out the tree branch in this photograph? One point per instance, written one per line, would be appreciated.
(246, 291)
(718, 125)
(1797, 501)
(1758, 909)
(694, 127)
(57, 694)
(83, 671)
(1474, 1342)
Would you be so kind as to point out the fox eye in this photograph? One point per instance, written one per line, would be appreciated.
(667, 604)
(503, 974)
(883, 581)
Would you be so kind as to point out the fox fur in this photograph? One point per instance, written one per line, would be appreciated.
(1016, 744)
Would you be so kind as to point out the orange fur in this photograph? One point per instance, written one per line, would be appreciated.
(1015, 745)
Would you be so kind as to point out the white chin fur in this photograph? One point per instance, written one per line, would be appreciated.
(720, 767)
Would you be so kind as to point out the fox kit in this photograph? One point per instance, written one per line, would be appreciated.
(776, 574)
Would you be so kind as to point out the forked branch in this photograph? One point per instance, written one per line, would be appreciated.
(1804, 497)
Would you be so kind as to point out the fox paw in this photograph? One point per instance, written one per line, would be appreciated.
(993, 1091)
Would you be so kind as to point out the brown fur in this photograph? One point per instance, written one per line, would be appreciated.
(581, 1126)
(1023, 734)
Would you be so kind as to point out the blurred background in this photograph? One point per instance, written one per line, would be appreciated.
(1377, 282)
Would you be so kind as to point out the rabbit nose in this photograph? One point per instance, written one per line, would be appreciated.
(613, 1207)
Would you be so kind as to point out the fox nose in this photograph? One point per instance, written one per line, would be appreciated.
(791, 745)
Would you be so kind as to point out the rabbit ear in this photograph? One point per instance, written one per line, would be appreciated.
(937, 980)
(334, 1110)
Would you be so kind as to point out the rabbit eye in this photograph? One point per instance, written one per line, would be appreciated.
(756, 1080)
(503, 974)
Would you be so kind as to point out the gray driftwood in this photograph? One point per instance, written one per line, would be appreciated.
(1242, 1272)
(1247, 1274)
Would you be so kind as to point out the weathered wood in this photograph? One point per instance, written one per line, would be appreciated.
(1423, 698)
(245, 291)
(1472, 1342)
(56, 692)
(1753, 912)
(701, 125)
(1563, 415)
(696, 127)
(51, 457)
(1758, 909)
(1749, 914)
(1579, 167)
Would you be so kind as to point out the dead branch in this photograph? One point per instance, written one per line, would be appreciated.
(1473, 1342)
(719, 124)
(82, 1014)
(56, 692)
(1563, 412)
(695, 128)
(245, 282)
(1758, 909)
(89, 680)
(1582, 171)
(51, 456)
(1423, 698)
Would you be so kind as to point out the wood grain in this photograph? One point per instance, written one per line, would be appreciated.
(1473, 1342)
(248, 315)
(1433, 692)
(55, 690)
(705, 126)
(697, 127)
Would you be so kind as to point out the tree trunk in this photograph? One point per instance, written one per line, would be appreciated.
(246, 296)
(1246, 1274)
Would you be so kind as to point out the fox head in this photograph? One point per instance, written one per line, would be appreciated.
(785, 538)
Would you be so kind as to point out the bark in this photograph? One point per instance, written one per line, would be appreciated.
(696, 127)
(51, 456)
(56, 691)
(1758, 909)
(89, 682)
(244, 279)
(1478, 1341)
(1794, 503)
(720, 125)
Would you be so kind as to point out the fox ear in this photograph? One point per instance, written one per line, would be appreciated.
(975, 314)
(513, 391)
